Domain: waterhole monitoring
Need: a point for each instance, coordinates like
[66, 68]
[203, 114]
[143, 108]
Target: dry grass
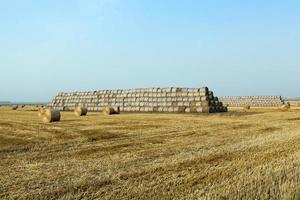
[235, 155]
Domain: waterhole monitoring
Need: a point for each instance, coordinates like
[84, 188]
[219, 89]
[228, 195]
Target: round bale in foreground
[51, 116]
[110, 111]
[80, 111]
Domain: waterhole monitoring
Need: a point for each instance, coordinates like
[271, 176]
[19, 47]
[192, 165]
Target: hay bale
[51, 116]
[80, 111]
[246, 107]
[41, 111]
[285, 107]
[23, 106]
[117, 109]
[14, 107]
[110, 111]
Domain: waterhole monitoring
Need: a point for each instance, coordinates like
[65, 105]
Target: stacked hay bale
[253, 101]
[294, 102]
[189, 100]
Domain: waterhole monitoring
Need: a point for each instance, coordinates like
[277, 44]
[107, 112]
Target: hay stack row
[142, 100]
[253, 101]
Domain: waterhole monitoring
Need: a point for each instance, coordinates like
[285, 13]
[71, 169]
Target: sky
[235, 47]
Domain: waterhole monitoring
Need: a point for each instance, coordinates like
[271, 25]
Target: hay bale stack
[196, 100]
[110, 111]
[80, 111]
[253, 101]
[15, 107]
[51, 116]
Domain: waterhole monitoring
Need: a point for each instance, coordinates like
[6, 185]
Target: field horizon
[236, 155]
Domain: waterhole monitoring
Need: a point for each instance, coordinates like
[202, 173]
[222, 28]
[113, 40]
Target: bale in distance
[41, 111]
[80, 111]
[285, 107]
[117, 110]
[15, 107]
[110, 111]
[23, 106]
[246, 107]
[51, 116]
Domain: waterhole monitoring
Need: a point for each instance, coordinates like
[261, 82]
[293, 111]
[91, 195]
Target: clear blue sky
[235, 47]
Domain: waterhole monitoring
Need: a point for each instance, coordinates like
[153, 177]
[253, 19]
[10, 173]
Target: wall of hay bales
[187, 100]
[253, 101]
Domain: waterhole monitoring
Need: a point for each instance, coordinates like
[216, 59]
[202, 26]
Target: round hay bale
[66, 108]
[80, 111]
[110, 111]
[23, 106]
[285, 107]
[117, 110]
[14, 107]
[51, 116]
[41, 111]
[246, 107]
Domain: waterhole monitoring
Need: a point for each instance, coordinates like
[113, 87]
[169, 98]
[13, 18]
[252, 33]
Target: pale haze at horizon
[233, 47]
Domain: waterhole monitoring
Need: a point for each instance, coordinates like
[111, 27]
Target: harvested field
[241, 154]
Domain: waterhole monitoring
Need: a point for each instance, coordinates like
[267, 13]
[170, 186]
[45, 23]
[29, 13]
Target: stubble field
[234, 155]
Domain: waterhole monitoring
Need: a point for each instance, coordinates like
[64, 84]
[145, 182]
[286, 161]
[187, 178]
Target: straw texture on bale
[41, 111]
[285, 107]
[195, 100]
[247, 107]
[253, 101]
[80, 111]
[110, 111]
[51, 116]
